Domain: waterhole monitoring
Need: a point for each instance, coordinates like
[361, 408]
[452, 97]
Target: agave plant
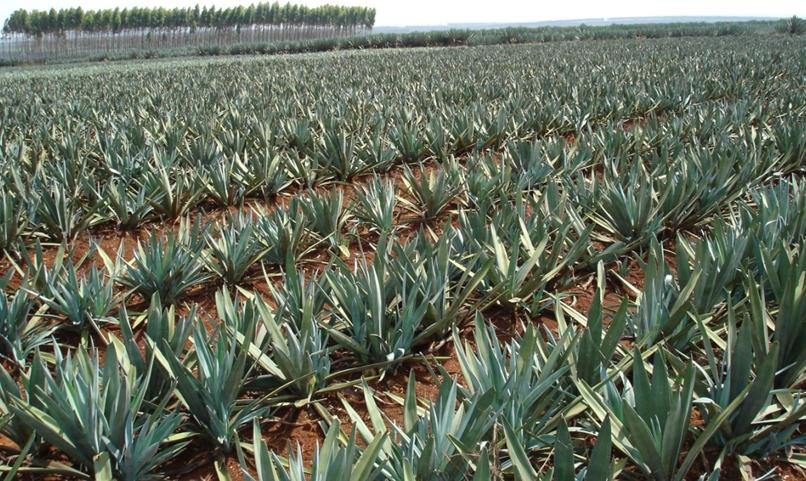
[12, 222]
[168, 265]
[118, 158]
[598, 468]
[264, 175]
[126, 204]
[338, 155]
[332, 461]
[20, 333]
[301, 354]
[163, 327]
[374, 317]
[785, 274]
[234, 249]
[496, 128]
[529, 163]
[597, 345]
[464, 132]
[325, 215]
[410, 146]
[304, 170]
[282, 232]
[663, 305]
[37, 268]
[442, 276]
[627, 205]
[375, 203]
[437, 138]
[20, 389]
[223, 182]
[562, 165]
[487, 183]
[789, 143]
[717, 259]
[521, 378]
[84, 301]
[432, 192]
[734, 377]
[776, 215]
[298, 134]
[294, 356]
[528, 251]
[700, 183]
[650, 418]
[437, 444]
[94, 413]
[61, 214]
[13, 471]
[299, 301]
[209, 380]
[376, 151]
[171, 191]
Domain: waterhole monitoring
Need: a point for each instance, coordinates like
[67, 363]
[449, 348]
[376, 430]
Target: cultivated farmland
[571, 261]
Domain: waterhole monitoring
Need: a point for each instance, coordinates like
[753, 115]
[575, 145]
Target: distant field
[577, 260]
[280, 40]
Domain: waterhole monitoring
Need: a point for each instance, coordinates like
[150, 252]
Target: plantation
[569, 261]
[31, 36]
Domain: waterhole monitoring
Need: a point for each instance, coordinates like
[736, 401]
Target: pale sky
[437, 12]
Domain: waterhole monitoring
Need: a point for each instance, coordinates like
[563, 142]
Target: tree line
[57, 22]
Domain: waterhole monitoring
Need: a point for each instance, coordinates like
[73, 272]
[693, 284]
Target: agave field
[578, 261]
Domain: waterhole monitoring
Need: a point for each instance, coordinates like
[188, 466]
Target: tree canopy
[40, 22]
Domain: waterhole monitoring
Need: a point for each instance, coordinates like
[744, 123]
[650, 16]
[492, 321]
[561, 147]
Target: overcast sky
[434, 12]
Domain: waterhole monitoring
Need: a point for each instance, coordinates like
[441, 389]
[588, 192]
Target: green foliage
[374, 205]
[663, 305]
[785, 276]
[747, 375]
[435, 445]
[281, 232]
[209, 380]
[627, 207]
[16, 391]
[339, 156]
[163, 327]
[717, 262]
[20, 333]
[325, 215]
[38, 22]
[222, 180]
[650, 419]
[234, 249]
[126, 204]
[171, 192]
[598, 468]
[793, 26]
[432, 191]
[597, 345]
[331, 461]
[583, 200]
[520, 380]
[299, 301]
[380, 315]
[168, 265]
[264, 175]
[528, 244]
[84, 301]
[89, 410]
[12, 222]
[60, 212]
[295, 357]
